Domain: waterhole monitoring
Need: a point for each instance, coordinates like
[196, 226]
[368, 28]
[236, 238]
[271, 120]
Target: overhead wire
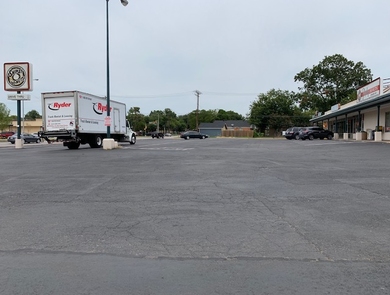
[185, 93]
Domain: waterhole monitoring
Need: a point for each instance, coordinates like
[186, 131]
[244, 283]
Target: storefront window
[387, 122]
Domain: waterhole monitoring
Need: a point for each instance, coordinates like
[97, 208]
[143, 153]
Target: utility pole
[158, 123]
[197, 93]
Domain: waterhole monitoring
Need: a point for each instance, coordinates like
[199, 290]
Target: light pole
[124, 3]
[23, 111]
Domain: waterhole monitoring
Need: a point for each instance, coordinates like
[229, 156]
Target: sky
[161, 51]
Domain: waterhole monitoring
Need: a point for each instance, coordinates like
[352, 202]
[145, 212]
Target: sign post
[107, 121]
[18, 78]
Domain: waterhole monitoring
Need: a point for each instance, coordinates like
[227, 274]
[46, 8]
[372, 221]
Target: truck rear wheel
[73, 145]
[96, 141]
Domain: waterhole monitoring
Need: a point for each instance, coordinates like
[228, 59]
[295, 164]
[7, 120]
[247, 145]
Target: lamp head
[124, 2]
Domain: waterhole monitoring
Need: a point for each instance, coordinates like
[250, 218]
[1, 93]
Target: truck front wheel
[133, 139]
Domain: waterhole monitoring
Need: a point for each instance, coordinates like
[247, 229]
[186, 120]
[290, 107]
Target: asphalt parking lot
[213, 216]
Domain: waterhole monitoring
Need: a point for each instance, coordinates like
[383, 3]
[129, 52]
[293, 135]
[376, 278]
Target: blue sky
[163, 50]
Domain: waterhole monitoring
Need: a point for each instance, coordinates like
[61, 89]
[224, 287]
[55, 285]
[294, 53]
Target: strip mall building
[366, 118]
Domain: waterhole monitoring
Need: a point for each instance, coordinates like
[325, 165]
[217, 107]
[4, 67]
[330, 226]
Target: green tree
[228, 115]
[275, 109]
[300, 118]
[169, 120]
[207, 116]
[32, 115]
[155, 120]
[334, 80]
[204, 116]
[136, 119]
[5, 119]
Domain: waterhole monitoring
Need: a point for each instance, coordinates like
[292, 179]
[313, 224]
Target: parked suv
[6, 134]
[292, 133]
[315, 132]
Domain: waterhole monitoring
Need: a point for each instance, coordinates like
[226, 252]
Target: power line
[186, 93]
[154, 95]
[229, 93]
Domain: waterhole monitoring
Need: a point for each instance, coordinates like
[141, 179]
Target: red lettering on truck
[100, 108]
[55, 106]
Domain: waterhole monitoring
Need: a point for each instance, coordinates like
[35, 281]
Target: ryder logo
[55, 106]
[99, 108]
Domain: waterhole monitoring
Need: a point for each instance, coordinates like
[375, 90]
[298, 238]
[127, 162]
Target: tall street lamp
[124, 3]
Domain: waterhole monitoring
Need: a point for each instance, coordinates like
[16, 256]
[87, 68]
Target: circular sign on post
[107, 121]
[18, 76]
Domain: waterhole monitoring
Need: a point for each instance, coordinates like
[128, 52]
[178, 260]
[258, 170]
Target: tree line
[168, 121]
[333, 80]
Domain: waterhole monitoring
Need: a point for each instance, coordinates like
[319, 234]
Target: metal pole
[108, 71]
[377, 118]
[197, 93]
[359, 122]
[197, 112]
[18, 114]
[23, 116]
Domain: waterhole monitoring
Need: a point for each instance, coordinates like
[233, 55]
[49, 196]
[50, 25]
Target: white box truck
[75, 117]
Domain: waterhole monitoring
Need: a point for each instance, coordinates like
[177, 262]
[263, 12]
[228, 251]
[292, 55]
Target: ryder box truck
[75, 117]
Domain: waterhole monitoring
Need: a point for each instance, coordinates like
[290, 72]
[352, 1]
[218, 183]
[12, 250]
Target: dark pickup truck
[156, 134]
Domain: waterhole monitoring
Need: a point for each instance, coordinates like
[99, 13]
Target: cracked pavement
[214, 216]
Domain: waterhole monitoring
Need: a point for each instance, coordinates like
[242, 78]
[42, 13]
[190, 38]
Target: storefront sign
[369, 91]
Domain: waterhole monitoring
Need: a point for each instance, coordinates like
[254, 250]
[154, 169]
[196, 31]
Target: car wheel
[38, 140]
[187, 137]
[296, 137]
[203, 137]
[330, 137]
[311, 137]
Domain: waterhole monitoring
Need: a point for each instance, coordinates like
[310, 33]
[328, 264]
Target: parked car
[156, 134]
[292, 133]
[193, 134]
[6, 134]
[315, 132]
[25, 137]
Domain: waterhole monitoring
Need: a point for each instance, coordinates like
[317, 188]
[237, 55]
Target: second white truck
[75, 117]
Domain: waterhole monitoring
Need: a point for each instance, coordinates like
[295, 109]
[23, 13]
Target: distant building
[27, 126]
[217, 127]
